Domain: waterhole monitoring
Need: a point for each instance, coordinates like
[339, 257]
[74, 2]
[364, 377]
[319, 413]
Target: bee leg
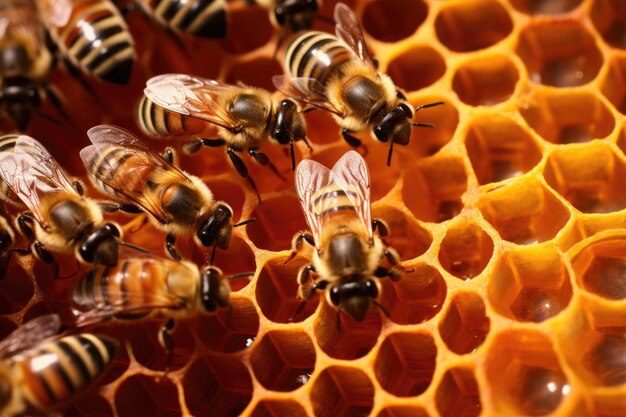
[167, 342]
[381, 225]
[262, 159]
[396, 270]
[353, 141]
[193, 146]
[114, 207]
[297, 243]
[45, 257]
[25, 223]
[306, 288]
[242, 170]
[169, 155]
[170, 239]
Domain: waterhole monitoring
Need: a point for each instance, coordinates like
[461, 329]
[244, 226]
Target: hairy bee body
[93, 35]
[158, 122]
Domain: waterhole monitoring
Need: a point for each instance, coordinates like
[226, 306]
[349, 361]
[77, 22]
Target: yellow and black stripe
[333, 200]
[316, 55]
[156, 121]
[204, 18]
[57, 371]
[97, 41]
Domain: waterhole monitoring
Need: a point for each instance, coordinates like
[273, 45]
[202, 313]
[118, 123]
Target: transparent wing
[29, 335]
[350, 173]
[191, 96]
[349, 31]
[307, 90]
[56, 12]
[311, 177]
[128, 181]
[31, 172]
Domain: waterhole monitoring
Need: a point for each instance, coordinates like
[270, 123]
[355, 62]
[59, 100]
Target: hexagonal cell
[342, 337]
[456, 25]
[417, 297]
[283, 360]
[405, 363]
[427, 142]
[341, 391]
[592, 178]
[457, 394]
[609, 18]
[283, 210]
[257, 72]
[277, 289]
[564, 117]
[405, 234]
[433, 187]
[278, 408]
[524, 212]
[416, 67]
[249, 29]
[16, 289]
[535, 7]
[559, 53]
[229, 331]
[499, 148]
[524, 375]
[486, 80]
[465, 250]
[403, 411]
[392, 21]
[530, 284]
[465, 325]
[614, 84]
[220, 384]
[145, 396]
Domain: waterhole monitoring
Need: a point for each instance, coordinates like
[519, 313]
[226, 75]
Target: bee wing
[351, 174]
[30, 171]
[127, 181]
[311, 177]
[307, 90]
[56, 12]
[30, 334]
[349, 31]
[191, 96]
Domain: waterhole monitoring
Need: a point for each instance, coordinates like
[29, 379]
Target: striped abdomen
[159, 122]
[205, 18]
[97, 40]
[332, 204]
[57, 371]
[316, 55]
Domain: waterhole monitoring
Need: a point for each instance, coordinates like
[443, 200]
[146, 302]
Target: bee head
[101, 246]
[214, 289]
[218, 228]
[296, 15]
[354, 297]
[396, 125]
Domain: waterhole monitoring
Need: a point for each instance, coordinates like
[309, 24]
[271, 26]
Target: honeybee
[157, 122]
[144, 285]
[25, 62]
[349, 258]
[123, 167]
[42, 373]
[59, 219]
[92, 37]
[245, 116]
[338, 74]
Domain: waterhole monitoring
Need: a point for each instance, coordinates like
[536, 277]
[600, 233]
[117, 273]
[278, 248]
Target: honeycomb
[509, 217]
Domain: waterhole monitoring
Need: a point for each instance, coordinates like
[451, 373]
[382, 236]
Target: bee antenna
[293, 155]
[241, 275]
[390, 152]
[245, 222]
[212, 254]
[422, 125]
[425, 106]
[135, 247]
[381, 308]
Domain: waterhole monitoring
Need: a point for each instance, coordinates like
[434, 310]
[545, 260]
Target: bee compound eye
[112, 229]
[372, 289]
[334, 295]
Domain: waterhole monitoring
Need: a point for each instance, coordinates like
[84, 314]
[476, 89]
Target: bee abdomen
[316, 55]
[157, 121]
[205, 18]
[59, 370]
[98, 41]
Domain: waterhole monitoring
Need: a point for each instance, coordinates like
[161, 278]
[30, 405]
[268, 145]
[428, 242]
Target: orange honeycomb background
[509, 215]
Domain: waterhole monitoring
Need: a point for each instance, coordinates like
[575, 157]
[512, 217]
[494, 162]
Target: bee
[123, 167]
[25, 63]
[139, 286]
[157, 122]
[92, 37]
[40, 372]
[245, 116]
[59, 218]
[338, 74]
[349, 258]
